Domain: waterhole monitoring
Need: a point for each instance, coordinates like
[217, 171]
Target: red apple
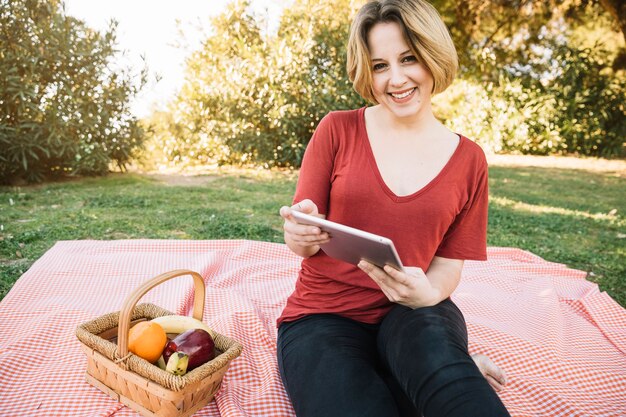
[197, 343]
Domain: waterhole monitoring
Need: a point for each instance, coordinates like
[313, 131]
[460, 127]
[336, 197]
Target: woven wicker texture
[88, 333]
[138, 383]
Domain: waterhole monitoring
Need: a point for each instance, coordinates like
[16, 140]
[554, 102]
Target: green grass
[563, 215]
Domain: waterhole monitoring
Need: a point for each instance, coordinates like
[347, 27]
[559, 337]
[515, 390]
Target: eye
[379, 67]
[409, 59]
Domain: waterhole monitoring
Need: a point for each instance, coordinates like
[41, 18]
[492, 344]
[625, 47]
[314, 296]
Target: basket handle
[135, 296]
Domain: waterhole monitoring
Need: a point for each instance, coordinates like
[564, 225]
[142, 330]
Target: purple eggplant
[197, 343]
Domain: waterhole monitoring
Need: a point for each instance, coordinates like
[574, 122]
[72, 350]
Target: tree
[531, 82]
[617, 8]
[254, 97]
[554, 62]
[63, 106]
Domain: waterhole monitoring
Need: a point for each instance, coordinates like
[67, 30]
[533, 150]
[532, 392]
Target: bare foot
[492, 372]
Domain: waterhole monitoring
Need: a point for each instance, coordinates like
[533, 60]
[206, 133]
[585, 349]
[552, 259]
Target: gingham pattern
[561, 341]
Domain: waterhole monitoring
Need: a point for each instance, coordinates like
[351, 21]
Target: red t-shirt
[447, 217]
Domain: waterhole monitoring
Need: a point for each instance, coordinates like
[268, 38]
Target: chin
[405, 112]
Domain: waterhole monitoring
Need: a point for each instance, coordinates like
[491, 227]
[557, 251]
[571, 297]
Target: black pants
[415, 363]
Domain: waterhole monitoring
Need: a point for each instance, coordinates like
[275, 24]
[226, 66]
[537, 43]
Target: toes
[494, 383]
[492, 372]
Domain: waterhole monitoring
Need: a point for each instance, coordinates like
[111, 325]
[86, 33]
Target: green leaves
[255, 97]
[527, 84]
[537, 82]
[62, 108]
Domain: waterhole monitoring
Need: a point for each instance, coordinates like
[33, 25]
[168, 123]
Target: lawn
[564, 214]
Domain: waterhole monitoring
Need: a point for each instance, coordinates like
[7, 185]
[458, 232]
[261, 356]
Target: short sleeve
[314, 181]
[467, 236]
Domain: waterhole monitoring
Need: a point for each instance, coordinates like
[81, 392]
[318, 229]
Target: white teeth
[403, 95]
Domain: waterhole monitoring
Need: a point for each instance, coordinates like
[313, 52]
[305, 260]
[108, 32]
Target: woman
[365, 341]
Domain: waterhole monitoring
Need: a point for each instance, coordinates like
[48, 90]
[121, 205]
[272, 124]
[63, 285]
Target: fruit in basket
[197, 343]
[178, 363]
[177, 324]
[147, 340]
[161, 363]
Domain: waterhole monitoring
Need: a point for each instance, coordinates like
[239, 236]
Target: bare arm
[444, 275]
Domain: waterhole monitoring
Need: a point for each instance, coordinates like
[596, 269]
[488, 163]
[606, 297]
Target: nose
[397, 76]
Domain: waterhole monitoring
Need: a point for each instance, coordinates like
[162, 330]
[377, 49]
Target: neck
[425, 120]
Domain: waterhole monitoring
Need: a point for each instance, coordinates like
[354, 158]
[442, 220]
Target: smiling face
[401, 84]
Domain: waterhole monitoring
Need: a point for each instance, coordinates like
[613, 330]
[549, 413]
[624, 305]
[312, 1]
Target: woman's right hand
[303, 239]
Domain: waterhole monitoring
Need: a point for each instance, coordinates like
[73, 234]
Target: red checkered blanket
[561, 341]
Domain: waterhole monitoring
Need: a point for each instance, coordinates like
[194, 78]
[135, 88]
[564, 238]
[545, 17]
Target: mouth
[401, 95]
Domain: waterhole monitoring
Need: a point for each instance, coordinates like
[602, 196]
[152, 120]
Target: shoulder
[472, 153]
[339, 126]
[343, 118]
[334, 129]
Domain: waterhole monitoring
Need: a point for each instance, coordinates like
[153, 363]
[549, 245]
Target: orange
[147, 340]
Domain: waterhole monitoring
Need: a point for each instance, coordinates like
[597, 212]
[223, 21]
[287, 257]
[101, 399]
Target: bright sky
[148, 28]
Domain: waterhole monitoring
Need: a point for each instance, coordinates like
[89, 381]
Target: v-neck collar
[372, 159]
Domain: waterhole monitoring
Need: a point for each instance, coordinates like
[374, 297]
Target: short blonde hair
[424, 32]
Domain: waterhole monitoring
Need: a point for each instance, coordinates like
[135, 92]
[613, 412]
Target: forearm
[444, 275]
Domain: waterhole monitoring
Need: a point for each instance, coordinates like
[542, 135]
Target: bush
[63, 109]
[481, 113]
[253, 97]
[578, 109]
[590, 103]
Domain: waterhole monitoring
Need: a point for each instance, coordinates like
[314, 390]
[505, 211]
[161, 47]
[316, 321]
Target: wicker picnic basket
[132, 380]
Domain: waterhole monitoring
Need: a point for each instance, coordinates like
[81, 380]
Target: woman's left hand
[410, 287]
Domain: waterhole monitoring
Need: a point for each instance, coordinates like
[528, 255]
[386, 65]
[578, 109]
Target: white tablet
[351, 245]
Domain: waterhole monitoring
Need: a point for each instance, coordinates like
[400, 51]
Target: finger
[398, 276]
[300, 229]
[380, 277]
[377, 274]
[285, 212]
[388, 294]
[401, 282]
[318, 238]
[305, 233]
[370, 269]
[308, 242]
[305, 206]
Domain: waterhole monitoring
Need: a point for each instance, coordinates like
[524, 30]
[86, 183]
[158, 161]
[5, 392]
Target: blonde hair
[424, 32]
